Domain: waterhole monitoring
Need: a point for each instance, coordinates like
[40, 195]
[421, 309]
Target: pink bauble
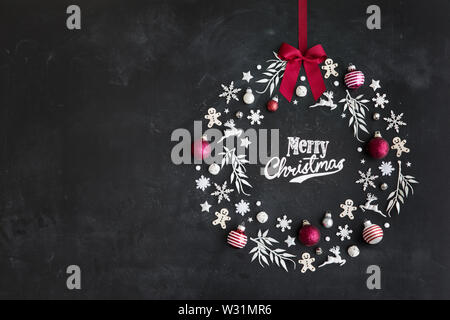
[201, 149]
[378, 148]
[354, 78]
[309, 235]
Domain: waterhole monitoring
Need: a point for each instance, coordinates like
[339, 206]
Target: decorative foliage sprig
[404, 187]
[274, 72]
[357, 109]
[262, 251]
[237, 162]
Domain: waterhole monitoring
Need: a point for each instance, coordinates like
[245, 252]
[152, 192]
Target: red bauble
[237, 239]
[354, 78]
[272, 105]
[308, 234]
[378, 148]
[201, 149]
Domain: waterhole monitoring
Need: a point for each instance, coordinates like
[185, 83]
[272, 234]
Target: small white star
[226, 111]
[245, 142]
[343, 116]
[205, 206]
[247, 76]
[375, 85]
[363, 161]
[409, 164]
[250, 219]
[290, 241]
[295, 102]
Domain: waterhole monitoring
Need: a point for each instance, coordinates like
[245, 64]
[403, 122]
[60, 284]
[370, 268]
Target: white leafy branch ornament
[237, 162]
[404, 186]
[262, 251]
[357, 109]
[274, 72]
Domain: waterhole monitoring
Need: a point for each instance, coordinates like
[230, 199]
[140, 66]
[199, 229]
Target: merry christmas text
[311, 166]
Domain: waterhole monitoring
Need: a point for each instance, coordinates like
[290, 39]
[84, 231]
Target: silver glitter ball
[214, 169]
[353, 251]
[239, 115]
[262, 217]
[319, 251]
[384, 186]
[376, 116]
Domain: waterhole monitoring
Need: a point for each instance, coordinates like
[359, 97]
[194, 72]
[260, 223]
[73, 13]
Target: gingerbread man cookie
[399, 145]
[307, 262]
[348, 209]
[213, 117]
[330, 68]
[222, 218]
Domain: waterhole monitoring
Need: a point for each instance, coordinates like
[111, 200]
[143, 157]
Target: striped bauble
[354, 78]
[372, 233]
[237, 239]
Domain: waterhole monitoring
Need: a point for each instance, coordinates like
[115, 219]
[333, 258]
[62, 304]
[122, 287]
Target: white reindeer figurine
[336, 259]
[369, 206]
[326, 103]
[232, 131]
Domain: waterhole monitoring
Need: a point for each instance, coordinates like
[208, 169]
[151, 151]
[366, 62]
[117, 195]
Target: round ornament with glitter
[309, 235]
[354, 79]
[372, 233]
[237, 238]
[378, 148]
[262, 217]
[214, 169]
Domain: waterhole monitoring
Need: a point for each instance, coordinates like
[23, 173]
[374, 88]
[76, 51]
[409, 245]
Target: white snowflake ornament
[242, 207]
[222, 192]
[380, 101]
[367, 179]
[255, 117]
[344, 232]
[395, 122]
[386, 168]
[202, 183]
[230, 92]
[284, 223]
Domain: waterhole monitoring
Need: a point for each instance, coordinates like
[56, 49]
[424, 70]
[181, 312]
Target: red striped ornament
[354, 78]
[372, 233]
[237, 239]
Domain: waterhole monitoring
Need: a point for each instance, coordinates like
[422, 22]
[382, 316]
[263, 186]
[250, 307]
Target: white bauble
[249, 98]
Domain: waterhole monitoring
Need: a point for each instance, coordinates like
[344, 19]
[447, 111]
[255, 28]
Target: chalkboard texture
[85, 126]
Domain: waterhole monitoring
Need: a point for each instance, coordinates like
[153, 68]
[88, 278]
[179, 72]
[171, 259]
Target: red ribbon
[310, 58]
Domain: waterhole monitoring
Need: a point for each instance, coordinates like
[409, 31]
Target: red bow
[311, 58]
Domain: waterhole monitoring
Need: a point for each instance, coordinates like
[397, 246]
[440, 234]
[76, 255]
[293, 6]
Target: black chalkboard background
[85, 125]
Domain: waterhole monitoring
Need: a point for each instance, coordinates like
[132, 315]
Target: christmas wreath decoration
[283, 71]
